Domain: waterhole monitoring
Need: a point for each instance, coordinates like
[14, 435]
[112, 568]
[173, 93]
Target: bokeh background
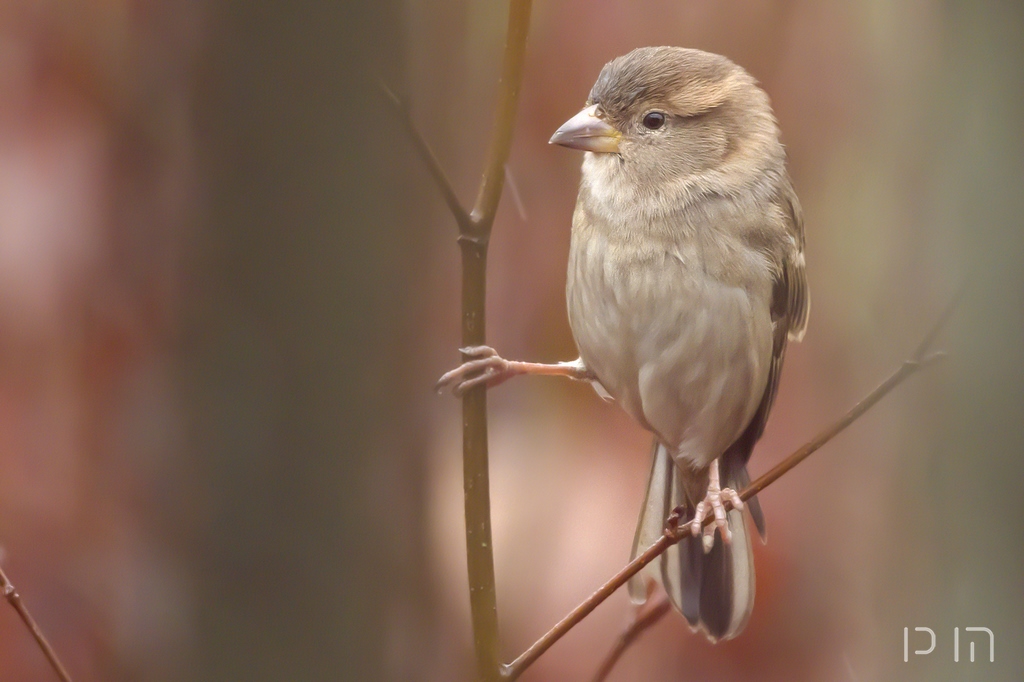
[227, 285]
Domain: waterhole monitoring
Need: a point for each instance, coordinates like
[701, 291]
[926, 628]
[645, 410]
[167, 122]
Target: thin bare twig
[517, 198]
[676, 531]
[12, 596]
[642, 623]
[643, 619]
[487, 199]
[474, 234]
[429, 159]
[483, 600]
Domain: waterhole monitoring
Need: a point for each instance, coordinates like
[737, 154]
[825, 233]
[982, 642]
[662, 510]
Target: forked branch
[474, 234]
[444, 185]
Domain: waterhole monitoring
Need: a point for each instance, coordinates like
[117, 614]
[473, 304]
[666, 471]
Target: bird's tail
[713, 590]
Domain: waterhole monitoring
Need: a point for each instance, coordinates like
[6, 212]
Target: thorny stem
[676, 531]
[12, 596]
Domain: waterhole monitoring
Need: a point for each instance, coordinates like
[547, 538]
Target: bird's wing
[790, 308]
[798, 296]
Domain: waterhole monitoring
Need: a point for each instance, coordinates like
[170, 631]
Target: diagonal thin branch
[940, 324]
[465, 222]
[676, 531]
[12, 596]
[429, 159]
[907, 369]
[643, 620]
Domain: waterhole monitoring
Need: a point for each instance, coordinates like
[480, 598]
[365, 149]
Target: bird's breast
[684, 353]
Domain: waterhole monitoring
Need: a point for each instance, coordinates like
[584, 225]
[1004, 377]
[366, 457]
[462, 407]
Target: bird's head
[662, 114]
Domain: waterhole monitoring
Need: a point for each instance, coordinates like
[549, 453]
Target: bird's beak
[589, 132]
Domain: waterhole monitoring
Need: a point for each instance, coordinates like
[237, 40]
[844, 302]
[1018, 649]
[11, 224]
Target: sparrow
[686, 281]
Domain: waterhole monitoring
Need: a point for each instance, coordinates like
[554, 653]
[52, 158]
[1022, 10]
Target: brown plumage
[686, 281]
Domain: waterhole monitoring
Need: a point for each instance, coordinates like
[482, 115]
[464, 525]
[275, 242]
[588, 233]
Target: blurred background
[227, 285]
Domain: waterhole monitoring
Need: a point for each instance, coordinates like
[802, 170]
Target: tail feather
[682, 570]
[651, 524]
[740, 479]
[714, 590]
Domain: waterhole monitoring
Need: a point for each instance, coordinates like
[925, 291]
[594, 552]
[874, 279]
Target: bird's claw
[483, 366]
[714, 503]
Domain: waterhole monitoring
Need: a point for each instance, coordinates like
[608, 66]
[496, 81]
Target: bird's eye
[654, 120]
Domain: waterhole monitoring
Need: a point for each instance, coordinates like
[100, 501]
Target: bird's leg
[713, 503]
[485, 366]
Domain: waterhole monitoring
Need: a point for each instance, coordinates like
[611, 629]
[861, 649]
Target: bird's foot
[714, 504]
[484, 366]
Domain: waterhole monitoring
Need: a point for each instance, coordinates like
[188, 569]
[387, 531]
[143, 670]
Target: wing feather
[791, 305]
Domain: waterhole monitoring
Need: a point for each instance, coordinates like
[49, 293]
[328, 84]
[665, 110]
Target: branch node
[473, 239]
[643, 619]
[14, 599]
[672, 526]
[937, 356]
[444, 185]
